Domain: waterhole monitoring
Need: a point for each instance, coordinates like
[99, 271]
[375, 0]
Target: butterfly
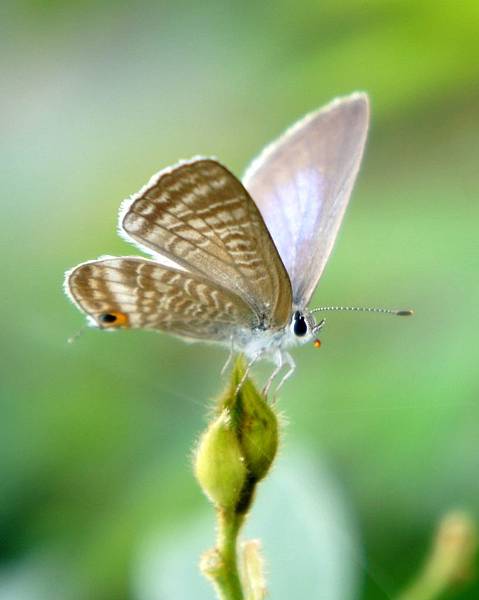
[234, 262]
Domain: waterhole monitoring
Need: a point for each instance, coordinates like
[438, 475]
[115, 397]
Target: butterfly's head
[303, 326]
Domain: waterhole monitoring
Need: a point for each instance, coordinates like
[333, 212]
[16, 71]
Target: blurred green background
[97, 499]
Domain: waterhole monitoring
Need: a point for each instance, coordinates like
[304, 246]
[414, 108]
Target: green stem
[226, 576]
[221, 564]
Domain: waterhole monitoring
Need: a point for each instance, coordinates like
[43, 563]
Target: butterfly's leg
[255, 358]
[292, 366]
[277, 369]
[317, 328]
[230, 357]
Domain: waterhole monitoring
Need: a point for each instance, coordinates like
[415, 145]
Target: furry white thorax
[268, 344]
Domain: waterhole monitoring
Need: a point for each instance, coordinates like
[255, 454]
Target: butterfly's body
[233, 263]
[267, 342]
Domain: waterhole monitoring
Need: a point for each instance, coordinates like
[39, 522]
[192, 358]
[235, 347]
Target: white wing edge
[263, 156]
[66, 287]
[127, 203]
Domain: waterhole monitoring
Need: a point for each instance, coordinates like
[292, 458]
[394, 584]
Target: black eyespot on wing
[107, 318]
[113, 319]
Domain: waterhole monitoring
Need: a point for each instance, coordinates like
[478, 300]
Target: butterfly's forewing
[140, 293]
[302, 183]
[200, 216]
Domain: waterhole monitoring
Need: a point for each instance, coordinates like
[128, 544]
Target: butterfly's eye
[300, 327]
[113, 319]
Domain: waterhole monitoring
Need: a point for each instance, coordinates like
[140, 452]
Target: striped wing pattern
[152, 296]
[199, 215]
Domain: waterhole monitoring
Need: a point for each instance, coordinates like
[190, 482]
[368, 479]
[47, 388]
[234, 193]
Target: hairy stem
[227, 575]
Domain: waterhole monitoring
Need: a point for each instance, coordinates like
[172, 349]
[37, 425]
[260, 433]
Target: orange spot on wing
[113, 319]
[317, 344]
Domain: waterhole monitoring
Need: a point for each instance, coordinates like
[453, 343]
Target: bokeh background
[97, 498]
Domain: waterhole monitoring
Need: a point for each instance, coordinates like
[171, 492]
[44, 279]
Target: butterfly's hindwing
[151, 296]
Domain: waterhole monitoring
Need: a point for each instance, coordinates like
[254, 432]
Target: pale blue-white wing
[302, 182]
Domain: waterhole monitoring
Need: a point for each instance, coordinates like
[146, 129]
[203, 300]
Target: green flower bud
[239, 446]
[219, 465]
[257, 430]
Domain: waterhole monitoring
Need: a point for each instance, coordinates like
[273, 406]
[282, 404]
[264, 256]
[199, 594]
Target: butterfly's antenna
[76, 335]
[387, 311]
